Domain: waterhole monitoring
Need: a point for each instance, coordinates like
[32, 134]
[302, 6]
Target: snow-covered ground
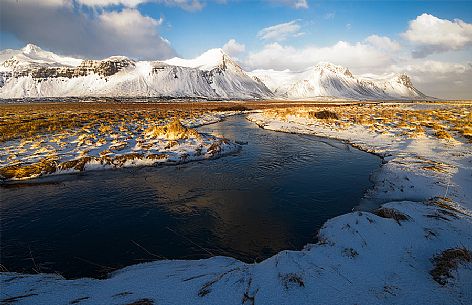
[402, 254]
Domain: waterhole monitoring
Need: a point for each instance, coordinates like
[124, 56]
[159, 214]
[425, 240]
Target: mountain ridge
[330, 80]
[33, 72]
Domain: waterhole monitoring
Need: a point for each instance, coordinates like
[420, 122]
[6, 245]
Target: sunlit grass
[40, 138]
[446, 121]
[101, 134]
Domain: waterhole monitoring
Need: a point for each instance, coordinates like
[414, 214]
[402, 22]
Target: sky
[431, 41]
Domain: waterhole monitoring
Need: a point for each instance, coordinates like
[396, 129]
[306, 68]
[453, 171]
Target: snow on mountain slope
[33, 72]
[328, 80]
[209, 60]
[32, 55]
[37, 73]
[7, 54]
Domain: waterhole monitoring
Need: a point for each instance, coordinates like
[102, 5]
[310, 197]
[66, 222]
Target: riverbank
[106, 141]
[414, 250]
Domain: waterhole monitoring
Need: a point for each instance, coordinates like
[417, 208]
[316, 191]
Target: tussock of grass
[77, 164]
[118, 146]
[157, 156]
[393, 214]
[443, 134]
[436, 168]
[122, 159]
[448, 261]
[324, 115]
[291, 279]
[350, 252]
[417, 132]
[215, 147]
[105, 152]
[172, 131]
[44, 166]
[105, 128]
[171, 144]
[443, 203]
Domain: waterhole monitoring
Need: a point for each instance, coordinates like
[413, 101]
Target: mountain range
[33, 72]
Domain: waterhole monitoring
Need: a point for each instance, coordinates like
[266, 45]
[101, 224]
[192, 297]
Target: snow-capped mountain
[34, 55]
[32, 72]
[328, 80]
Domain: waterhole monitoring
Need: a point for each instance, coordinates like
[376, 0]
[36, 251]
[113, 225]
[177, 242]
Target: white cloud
[433, 35]
[190, 5]
[131, 28]
[361, 56]
[233, 48]
[433, 67]
[438, 78]
[104, 3]
[297, 4]
[300, 4]
[281, 31]
[68, 30]
[49, 3]
[383, 42]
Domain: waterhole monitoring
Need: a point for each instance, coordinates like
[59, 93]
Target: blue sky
[429, 40]
[191, 32]
[324, 22]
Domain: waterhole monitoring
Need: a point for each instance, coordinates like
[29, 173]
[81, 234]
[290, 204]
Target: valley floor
[414, 249]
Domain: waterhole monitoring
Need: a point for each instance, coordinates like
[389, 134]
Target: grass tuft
[324, 115]
[393, 214]
[172, 131]
[44, 166]
[448, 261]
[291, 279]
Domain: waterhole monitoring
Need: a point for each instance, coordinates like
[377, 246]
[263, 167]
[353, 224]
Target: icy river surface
[272, 195]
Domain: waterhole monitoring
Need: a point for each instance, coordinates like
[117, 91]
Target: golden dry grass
[37, 126]
[172, 131]
[44, 166]
[21, 121]
[444, 121]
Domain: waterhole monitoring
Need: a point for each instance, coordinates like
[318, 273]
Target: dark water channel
[272, 195]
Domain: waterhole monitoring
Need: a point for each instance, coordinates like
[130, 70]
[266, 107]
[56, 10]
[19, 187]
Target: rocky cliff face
[104, 68]
[36, 73]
